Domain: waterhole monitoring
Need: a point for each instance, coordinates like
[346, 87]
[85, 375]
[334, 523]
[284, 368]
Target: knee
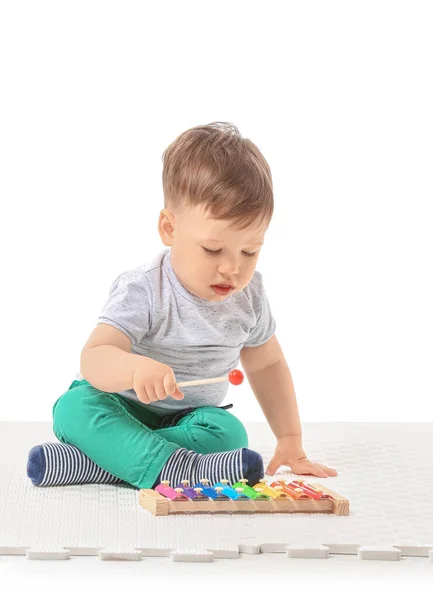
[236, 433]
[216, 430]
[75, 408]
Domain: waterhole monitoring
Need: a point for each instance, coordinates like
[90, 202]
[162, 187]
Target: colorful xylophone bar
[278, 496]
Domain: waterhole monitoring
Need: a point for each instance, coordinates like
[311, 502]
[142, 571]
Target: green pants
[127, 440]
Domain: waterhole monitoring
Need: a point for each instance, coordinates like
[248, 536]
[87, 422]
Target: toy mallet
[235, 377]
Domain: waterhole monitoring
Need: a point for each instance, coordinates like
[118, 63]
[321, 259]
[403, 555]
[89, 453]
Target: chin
[219, 298]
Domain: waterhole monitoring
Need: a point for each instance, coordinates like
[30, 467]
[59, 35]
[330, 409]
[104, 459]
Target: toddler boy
[192, 312]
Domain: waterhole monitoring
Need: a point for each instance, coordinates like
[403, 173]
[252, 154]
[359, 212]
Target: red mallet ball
[236, 377]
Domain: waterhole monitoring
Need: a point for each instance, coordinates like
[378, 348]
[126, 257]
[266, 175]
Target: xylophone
[278, 496]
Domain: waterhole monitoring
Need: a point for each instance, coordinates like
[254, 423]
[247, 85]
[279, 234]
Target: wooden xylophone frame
[160, 506]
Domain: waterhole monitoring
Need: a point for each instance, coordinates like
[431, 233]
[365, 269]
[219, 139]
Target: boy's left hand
[289, 452]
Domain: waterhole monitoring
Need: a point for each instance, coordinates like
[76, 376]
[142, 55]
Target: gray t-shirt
[197, 338]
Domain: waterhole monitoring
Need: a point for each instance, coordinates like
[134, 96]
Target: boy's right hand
[154, 381]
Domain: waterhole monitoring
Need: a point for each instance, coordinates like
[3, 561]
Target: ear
[166, 226]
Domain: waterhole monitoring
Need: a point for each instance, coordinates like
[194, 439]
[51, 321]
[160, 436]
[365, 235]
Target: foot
[64, 464]
[233, 465]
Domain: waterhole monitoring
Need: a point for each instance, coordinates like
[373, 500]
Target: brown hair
[213, 165]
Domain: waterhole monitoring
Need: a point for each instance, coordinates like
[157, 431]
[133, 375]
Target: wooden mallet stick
[235, 377]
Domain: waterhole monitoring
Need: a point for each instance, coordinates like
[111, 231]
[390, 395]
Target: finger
[178, 395]
[150, 391]
[169, 383]
[273, 465]
[323, 469]
[171, 388]
[328, 470]
[307, 468]
[142, 396]
[160, 391]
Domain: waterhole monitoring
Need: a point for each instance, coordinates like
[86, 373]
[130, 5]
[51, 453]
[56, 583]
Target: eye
[214, 252]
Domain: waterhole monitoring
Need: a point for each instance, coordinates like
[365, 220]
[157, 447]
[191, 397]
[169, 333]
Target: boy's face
[208, 253]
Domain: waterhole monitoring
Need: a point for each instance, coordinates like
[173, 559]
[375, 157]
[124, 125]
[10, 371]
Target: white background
[337, 95]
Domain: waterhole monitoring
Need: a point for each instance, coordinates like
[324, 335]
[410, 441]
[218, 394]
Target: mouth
[222, 289]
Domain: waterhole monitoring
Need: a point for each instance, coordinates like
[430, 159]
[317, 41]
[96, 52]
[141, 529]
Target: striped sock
[54, 463]
[233, 465]
[64, 464]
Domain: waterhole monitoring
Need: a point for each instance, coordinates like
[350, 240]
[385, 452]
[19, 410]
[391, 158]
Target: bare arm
[107, 362]
[271, 382]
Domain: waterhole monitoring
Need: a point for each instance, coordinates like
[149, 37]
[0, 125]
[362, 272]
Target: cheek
[249, 269]
[202, 266]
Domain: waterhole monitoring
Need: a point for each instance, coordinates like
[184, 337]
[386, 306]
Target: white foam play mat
[384, 470]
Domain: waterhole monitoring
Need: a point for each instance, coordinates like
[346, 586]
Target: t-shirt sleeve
[128, 306]
[265, 326]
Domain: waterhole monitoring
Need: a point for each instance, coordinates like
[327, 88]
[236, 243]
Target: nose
[229, 269]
